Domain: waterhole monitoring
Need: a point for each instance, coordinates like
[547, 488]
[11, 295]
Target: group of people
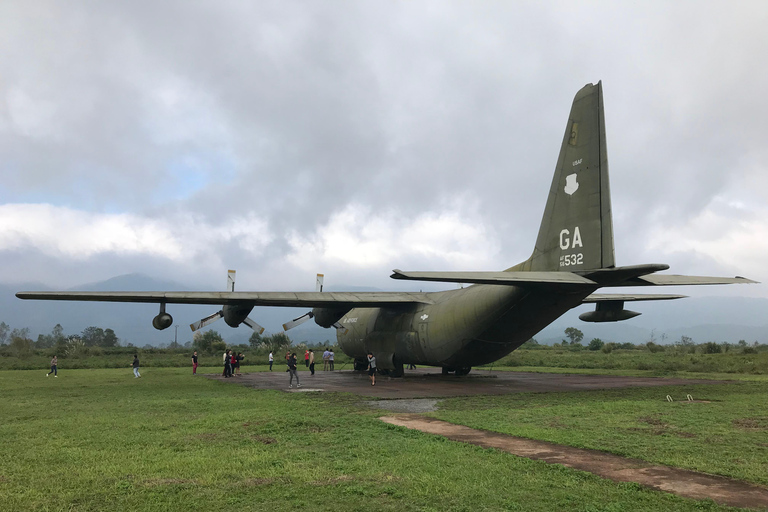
[231, 364]
[309, 359]
[328, 359]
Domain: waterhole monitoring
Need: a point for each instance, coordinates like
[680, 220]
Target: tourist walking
[54, 367]
[306, 358]
[293, 371]
[271, 360]
[135, 365]
[227, 364]
[372, 368]
[311, 361]
[330, 359]
[194, 363]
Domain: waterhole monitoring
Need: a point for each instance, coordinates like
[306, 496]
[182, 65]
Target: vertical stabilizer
[576, 232]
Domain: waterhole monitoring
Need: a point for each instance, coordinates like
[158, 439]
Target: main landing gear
[361, 365]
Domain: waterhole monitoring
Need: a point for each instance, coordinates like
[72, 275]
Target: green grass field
[727, 436]
[102, 440]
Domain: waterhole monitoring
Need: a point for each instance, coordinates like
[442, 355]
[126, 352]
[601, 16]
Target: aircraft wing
[499, 278]
[677, 280]
[286, 299]
[628, 297]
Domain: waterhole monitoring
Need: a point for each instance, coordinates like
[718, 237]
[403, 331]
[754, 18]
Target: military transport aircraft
[461, 328]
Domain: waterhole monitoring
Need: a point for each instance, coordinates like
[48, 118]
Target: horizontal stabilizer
[499, 278]
[628, 297]
[672, 280]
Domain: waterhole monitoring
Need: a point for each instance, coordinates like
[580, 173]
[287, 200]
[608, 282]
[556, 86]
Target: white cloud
[358, 237]
[80, 235]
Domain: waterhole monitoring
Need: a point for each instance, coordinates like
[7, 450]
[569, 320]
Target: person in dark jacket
[228, 364]
[194, 363]
[293, 371]
[236, 363]
[136, 366]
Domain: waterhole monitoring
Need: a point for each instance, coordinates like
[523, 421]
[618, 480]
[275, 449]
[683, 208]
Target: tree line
[684, 345]
[19, 342]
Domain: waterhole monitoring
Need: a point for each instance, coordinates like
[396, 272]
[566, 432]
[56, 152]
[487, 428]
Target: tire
[397, 372]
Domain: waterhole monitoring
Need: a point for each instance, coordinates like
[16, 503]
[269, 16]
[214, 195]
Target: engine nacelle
[234, 315]
[326, 317]
[162, 321]
[608, 311]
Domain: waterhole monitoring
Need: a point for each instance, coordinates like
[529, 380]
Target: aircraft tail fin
[576, 231]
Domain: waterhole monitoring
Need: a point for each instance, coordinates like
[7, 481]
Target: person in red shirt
[306, 358]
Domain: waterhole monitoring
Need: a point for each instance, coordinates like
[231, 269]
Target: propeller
[306, 316]
[234, 315]
[207, 320]
[311, 314]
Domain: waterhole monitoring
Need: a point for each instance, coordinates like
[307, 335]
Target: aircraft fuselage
[462, 328]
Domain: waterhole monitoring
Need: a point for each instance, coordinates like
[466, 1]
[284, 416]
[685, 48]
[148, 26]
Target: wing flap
[285, 299]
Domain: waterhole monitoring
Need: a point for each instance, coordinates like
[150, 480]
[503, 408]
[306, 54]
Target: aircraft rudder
[576, 231]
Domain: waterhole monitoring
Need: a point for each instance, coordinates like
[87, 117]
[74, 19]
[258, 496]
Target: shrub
[654, 348]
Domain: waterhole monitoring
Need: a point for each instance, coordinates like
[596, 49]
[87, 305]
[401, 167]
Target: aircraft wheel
[398, 371]
[446, 370]
[463, 371]
[360, 365]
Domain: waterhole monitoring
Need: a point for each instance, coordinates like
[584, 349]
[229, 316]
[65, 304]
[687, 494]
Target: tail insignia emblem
[571, 185]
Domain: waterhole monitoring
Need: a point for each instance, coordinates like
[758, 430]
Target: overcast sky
[285, 138]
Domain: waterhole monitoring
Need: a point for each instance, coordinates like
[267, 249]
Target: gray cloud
[291, 112]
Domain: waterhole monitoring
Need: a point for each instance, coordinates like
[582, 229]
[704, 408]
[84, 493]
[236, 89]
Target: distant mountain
[703, 319]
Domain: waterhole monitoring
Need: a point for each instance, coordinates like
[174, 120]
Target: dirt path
[682, 482]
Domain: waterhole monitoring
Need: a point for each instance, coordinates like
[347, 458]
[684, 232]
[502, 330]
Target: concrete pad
[430, 383]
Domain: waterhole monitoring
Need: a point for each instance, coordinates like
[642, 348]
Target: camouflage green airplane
[461, 328]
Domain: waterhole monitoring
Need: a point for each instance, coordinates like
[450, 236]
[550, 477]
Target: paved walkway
[689, 484]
